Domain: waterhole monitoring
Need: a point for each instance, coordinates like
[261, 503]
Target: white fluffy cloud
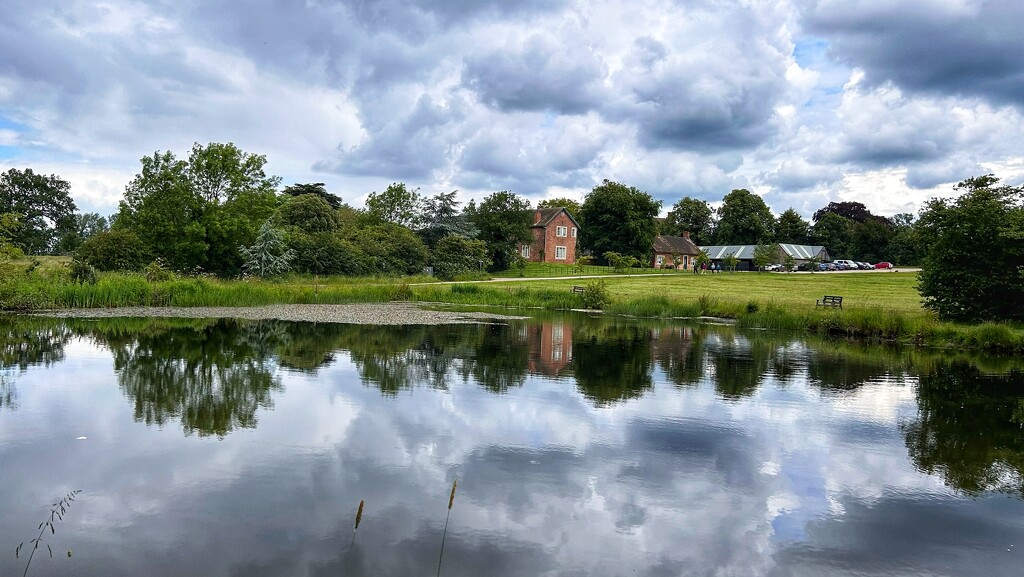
[801, 100]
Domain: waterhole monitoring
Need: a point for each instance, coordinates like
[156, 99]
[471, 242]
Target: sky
[805, 102]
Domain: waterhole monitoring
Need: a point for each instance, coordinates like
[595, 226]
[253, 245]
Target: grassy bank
[876, 306]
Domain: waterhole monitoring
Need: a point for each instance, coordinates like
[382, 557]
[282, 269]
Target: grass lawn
[885, 290]
[548, 269]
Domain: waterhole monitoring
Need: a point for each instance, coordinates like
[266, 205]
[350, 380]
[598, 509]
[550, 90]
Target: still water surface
[581, 447]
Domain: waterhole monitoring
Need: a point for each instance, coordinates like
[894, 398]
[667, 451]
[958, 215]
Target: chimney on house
[536, 216]
[686, 234]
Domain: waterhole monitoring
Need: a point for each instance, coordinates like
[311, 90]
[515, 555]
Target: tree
[833, 232]
[316, 188]
[268, 255]
[620, 219]
[905, 247]
[43, 205]
[792, 228]
[744, 218]
[117, 249]
[854, 211]
[691, 215]
[455, 255]
[391, 249]
[764, 255]
[974, 265]
[870, 240]
[573, 206]
[504, 221]
[8, 225]
[731, 261]
[396, 204]
[620, 262]
[309, 213]
[441, 217]
[196, 213]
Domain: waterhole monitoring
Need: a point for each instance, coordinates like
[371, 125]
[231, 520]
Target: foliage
[573, 206]
[581, 263]
[620, 262]
[691, 215]
[853, 211]
[114, 250]
[455, 255]
[195, 213]
[731, 261]
[871, 239]
[157, 271]
[315, 188]
[83, 272]
[619, 219]
[974, 266]
[833, 232]
[325, 253]
[504, 220]
[269, 255]
[396, 204]
[789, 263]
[792, 228]
[308, 213]
[391, 249]
[85, 226]
[764, 255]
[702, 259]
[44, 207]
[744, 218]
[595, 295]
[441, 217]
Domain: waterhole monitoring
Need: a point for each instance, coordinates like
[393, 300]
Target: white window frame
[561, 231]
[525, 251]
[574, 232]
[560, 249]
[660, 260]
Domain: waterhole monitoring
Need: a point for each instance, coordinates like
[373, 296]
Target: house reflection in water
[550, 346]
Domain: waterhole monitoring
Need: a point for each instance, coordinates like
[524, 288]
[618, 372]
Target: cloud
[969, 48]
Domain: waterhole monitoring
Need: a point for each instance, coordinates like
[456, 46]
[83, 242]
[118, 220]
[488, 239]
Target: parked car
[773, 267]
[883, 265]
[865, 265]
[844, 264]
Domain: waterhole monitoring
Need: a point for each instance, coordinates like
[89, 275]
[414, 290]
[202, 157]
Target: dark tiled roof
[546, 215]
[674, 245]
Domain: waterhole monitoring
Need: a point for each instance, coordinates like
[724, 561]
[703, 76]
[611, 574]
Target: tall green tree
[744, 218]
[619, 219]
[691, 215]
[905, 248]
[833, 232]
[196, 213]
[504, 220]
[441, 217]
[871, 239]
[792, 228]
[397, 205]
[44, 207]
[317, 188]
[974, 266]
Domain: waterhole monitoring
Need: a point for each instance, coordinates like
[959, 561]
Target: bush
[114, 250]
[325, 253]
[83, 273]
[157, 271]
[595, 295]
[457, 255]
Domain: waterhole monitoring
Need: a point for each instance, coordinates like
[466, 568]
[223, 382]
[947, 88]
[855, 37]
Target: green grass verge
[876, 306]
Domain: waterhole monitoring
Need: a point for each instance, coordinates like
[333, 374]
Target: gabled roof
[746, 251]
[802, 251]
[674, 245]
[742, 251]
[544, 216]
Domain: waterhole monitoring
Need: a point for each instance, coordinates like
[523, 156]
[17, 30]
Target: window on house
[660, 261]
[561, 231]
[559, 253]
[574, 232]
[526, 251]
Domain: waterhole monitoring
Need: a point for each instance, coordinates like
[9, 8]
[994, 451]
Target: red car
[883, 265]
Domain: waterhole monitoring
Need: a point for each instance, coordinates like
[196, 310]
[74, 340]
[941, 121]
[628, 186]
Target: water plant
[451, 501]
[57, 512]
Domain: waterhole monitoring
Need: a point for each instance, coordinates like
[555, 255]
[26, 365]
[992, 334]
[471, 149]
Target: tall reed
[57, 511]
[451, 500]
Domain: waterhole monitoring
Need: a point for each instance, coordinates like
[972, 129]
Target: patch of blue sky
[810, 52]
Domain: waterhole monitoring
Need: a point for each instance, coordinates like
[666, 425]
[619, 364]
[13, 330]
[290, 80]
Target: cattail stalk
[451, 501]
[359, 517]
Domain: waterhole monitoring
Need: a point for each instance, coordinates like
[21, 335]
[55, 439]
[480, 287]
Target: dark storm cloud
[542, 74]
[971, 50]
[930, 175]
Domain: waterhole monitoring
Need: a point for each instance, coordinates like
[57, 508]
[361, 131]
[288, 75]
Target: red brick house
[668, 248]
[554, 237]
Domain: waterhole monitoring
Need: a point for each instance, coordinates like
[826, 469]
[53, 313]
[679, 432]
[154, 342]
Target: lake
[581, 446]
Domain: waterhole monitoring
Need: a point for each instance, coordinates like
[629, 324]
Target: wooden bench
[577, 289]
[830, 301]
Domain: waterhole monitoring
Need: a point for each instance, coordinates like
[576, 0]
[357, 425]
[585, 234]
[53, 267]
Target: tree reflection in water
[25, 343]
[970, 428]
[612, 362]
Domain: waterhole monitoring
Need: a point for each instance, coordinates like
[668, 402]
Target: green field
[860, 290]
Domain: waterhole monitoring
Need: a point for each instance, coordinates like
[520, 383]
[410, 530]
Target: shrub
[457, 255]
[595, 295]
[752, 307]
[82, 272]
[157, 271]
[114, 250]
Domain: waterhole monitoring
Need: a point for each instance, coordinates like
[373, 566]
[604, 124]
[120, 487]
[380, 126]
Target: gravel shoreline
[394, 313]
